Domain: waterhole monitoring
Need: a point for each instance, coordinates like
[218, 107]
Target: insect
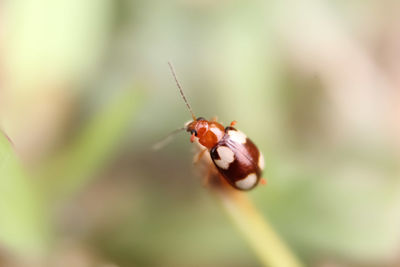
[234, 155]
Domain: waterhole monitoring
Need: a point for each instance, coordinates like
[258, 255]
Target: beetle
[234, 155]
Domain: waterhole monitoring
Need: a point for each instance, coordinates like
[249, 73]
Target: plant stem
[266, 243]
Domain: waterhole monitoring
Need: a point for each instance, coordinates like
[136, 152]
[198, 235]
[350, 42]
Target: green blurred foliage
[23, 221]
[86, 91]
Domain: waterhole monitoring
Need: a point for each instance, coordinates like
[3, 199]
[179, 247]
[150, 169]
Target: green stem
[266, 243]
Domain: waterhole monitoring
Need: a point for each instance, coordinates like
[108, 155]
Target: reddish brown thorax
[208, 132]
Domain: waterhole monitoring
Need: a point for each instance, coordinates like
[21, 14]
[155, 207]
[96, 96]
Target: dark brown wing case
[245, 162]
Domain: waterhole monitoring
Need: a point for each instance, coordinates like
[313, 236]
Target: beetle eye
[201, 119]
[193, 131]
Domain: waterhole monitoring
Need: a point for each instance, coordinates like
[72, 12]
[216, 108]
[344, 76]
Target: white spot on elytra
[226, 157]
[261, 161]
[247, 182]
[237, 136]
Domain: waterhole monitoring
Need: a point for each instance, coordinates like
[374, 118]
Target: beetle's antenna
[180, 90]
[160, 144]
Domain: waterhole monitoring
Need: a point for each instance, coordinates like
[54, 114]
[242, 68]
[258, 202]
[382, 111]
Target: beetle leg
[213, 178]
[198, 156]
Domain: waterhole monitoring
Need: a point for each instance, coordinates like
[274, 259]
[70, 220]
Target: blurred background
[85, 91]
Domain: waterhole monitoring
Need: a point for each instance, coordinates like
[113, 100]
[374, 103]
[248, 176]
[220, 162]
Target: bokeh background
[85, 92]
